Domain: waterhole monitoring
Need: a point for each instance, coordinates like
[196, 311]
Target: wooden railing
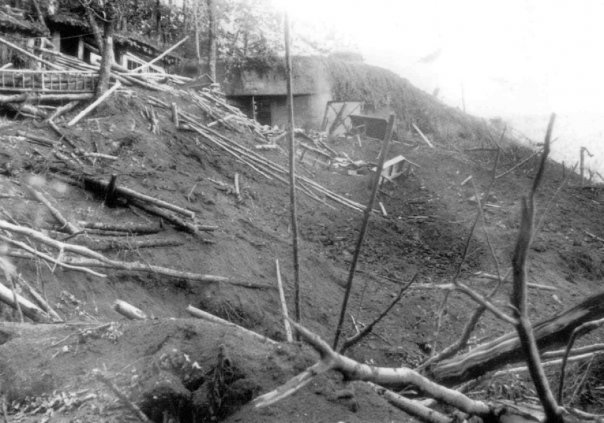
[43, 81]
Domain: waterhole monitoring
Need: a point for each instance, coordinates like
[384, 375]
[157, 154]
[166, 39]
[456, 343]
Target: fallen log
[38, 299]
[39, 98]
[28, 308]
[128, 243]
[353, 370]
[38, 139]
[189, 227]
[549, 333]
[131, 228]
[65, 224]
[64, 109]
[33, 253]
[99, 260]
[99, 186]
[27, 110]
[64, 138]
[200, 314]
[129, 311]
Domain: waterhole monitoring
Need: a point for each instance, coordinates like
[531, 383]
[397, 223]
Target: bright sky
[517, 56]
[513, 58]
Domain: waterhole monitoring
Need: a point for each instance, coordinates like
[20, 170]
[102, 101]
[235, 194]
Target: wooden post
[175, 115]
[110, 192]
[292, 169]
[288, 328]
[363, 231]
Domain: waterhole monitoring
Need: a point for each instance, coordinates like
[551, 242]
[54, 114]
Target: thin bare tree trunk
[96, 31]
[292, 170]
[106, 59]
[519, 294]
[363, 231]
[196, 24]
[212, 38]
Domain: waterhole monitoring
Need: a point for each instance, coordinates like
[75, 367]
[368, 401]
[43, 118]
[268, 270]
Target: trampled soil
[185, 369]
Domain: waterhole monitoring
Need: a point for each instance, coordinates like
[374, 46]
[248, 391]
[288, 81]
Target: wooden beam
[161, 56]
[94, 104]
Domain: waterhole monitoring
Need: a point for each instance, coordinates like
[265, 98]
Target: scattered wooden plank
[421, 134]
[384, 212]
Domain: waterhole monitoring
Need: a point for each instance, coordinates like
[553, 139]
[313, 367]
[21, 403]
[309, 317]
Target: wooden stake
[292, 170]
[110, 194]
[384, 212]
[363, 231]
[94, 104]
[288, 328]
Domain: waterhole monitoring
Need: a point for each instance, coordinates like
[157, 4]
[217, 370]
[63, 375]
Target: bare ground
[47, 370]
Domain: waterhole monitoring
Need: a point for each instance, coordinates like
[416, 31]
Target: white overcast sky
[513, 56]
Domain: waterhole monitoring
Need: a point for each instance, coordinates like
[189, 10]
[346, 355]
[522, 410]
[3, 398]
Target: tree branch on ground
[353, 370]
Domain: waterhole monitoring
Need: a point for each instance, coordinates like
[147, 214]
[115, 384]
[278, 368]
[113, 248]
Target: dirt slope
[429, 215]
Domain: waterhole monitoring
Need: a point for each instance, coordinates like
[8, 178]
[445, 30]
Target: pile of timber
[216, 108]
[260, 164]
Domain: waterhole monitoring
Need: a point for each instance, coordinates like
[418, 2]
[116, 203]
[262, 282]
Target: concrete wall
[308, 111]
